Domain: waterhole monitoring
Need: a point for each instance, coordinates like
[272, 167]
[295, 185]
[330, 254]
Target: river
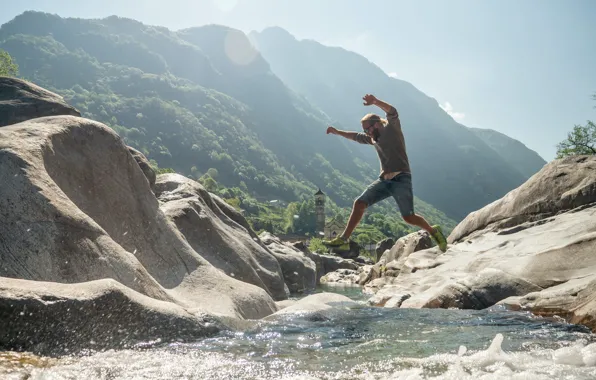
[362, 343]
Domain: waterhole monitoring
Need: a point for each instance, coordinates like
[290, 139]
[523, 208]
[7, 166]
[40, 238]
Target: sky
[526, 68]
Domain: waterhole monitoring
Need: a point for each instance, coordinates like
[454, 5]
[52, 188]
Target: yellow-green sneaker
[439, 238]
[338, 243]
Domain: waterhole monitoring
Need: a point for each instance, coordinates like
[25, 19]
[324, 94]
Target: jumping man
[395, 179]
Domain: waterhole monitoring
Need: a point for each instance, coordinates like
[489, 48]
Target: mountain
[453, 168]
[527, 161]
[195, 100]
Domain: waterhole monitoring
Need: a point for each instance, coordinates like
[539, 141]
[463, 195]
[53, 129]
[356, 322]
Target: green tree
[307, 218]
[213, 173]
[234, 202]
[316, 245]
[165, 170]
[581, 140]
[290, 216]
[363, 239]
[209, 183]
[7, 66]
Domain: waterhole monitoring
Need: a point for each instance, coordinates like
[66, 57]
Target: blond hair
[375, 118]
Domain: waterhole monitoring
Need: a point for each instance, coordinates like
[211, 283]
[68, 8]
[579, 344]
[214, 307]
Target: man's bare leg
[419, 221]
[436, 233]
[357, 211]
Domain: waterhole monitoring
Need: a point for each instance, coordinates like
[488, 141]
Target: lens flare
[238, 48]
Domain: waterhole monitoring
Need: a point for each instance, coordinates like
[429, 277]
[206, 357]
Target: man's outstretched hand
[369, 99]
[331, 130]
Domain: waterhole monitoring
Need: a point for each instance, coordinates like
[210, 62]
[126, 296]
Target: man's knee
[360, 205]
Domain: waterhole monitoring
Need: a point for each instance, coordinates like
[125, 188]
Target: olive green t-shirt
[391, 146]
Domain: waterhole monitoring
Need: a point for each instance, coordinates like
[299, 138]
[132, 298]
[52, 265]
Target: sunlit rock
[536, 245]
[56, 319]
[205, 222]
[299, 271]
[76, 207]
[21, 100]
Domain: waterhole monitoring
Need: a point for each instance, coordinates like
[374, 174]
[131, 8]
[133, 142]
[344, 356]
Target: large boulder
[145, 166]
[216, 237]
[482, 271]
[76, 207]
[560, 186]
[49, 318]
[391, 262]
[406, 245]
[383, 246]
[299, 271]
[21, 100]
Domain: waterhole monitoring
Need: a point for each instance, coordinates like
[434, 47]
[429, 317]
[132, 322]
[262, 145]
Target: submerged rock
[316, 307]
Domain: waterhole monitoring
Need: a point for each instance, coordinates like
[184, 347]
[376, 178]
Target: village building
[324, 229]
[330, 229]
[334, 228]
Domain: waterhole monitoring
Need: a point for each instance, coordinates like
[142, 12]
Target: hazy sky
[526, 68]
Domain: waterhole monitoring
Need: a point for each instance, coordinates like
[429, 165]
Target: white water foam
[577, 361]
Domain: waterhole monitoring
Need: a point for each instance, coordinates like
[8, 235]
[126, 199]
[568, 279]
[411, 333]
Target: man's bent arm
[371, 99]
[390, 111]
[384, 106]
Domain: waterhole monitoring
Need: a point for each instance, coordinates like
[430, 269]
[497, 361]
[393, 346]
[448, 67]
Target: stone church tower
[320, 211]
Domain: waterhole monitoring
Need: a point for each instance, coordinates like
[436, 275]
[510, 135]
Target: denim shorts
[399, 187]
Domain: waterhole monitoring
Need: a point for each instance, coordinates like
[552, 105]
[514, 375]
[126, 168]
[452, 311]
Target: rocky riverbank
[534, 250]
[98, 251]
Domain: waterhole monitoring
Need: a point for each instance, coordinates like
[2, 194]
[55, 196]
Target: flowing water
[362, 343]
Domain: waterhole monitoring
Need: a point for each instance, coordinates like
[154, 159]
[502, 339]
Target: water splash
[358, 343]
[576, 361]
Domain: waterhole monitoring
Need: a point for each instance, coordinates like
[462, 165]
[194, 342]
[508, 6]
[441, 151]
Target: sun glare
[238, 48]
[225, 5]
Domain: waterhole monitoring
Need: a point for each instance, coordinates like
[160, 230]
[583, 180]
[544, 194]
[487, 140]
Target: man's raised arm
[390, 111]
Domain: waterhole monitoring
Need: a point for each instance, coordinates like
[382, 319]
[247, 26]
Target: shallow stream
[362, 343]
